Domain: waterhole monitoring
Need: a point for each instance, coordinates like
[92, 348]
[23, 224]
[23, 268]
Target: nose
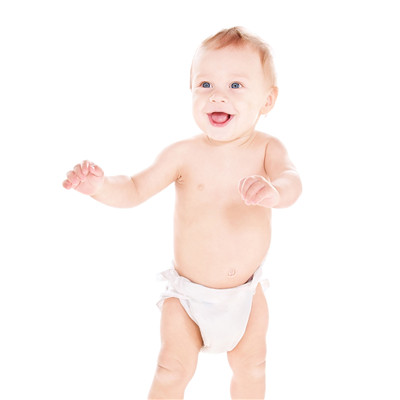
[218, 97]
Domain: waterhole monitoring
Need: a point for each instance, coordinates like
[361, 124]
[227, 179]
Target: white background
[108, 81]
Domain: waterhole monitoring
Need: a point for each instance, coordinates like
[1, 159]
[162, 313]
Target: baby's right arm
[125, 191]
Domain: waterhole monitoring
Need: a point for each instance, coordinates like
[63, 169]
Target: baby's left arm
[282, 188]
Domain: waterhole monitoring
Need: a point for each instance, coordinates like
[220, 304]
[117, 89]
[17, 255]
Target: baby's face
[230, 92]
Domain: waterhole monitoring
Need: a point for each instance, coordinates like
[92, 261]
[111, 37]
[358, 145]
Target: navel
[200, 187]
[232, 272]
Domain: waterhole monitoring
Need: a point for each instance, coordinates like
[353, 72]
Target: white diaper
[221, 314]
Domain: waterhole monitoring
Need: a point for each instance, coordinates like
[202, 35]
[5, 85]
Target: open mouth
[219, 119]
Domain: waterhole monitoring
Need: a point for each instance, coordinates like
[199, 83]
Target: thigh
[252, 346]
[179, 333]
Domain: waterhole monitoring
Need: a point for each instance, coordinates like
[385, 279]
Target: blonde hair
[238, 37]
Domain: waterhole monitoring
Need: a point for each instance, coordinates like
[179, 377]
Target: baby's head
[238, 38]
[233, 82]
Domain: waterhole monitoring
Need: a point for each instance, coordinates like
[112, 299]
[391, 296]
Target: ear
[270, 101]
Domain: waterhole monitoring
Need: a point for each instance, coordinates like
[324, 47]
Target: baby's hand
[256, 190]
[86, 178]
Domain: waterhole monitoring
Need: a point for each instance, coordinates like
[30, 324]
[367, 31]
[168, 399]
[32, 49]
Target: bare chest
[215, 177]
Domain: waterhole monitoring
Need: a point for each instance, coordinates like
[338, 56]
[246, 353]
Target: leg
[180, 345]
[247, 359]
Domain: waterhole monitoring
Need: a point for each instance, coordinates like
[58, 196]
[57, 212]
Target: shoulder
[183, 145]
[275, 152]
[269, 143]
[174, 150]
[177, 154]
[182, 149]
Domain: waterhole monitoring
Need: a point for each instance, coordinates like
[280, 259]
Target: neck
[242, 141]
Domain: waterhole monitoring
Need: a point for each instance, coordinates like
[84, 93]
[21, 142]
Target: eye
[235, 85]
[205, 85]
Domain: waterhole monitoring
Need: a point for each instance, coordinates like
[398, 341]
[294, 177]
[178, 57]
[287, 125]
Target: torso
[219, 241]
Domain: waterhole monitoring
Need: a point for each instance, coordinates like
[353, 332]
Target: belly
[221, 248]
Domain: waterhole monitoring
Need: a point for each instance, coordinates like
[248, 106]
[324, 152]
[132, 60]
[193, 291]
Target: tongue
[219, 117]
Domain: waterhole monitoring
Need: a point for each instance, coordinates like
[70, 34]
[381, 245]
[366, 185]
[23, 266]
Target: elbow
[134, 196]
[290, 193]
[297, 190]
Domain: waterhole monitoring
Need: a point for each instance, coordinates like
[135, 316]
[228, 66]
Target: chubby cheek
[250, 113]
[198, 115]
[198, 104]
[195, 102]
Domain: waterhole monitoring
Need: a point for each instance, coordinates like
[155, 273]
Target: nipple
[232, 272]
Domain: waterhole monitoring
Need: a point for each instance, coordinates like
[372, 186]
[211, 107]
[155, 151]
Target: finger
[261, 195]
[96, 170]
[254, 188]
[253, 191]
[73, 178]
[248, 187]
[245, 184]
[67, 184]
[78, 172]
[85, 167]
[241, 182]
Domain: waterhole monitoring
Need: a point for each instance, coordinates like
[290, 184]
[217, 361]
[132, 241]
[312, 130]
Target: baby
[227, 179]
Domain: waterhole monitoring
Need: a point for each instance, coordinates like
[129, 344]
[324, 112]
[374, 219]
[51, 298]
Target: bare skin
[227, 180]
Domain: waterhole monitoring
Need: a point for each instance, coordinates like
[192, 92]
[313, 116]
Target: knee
[173, 371]
[250, 371]
[249, 366]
